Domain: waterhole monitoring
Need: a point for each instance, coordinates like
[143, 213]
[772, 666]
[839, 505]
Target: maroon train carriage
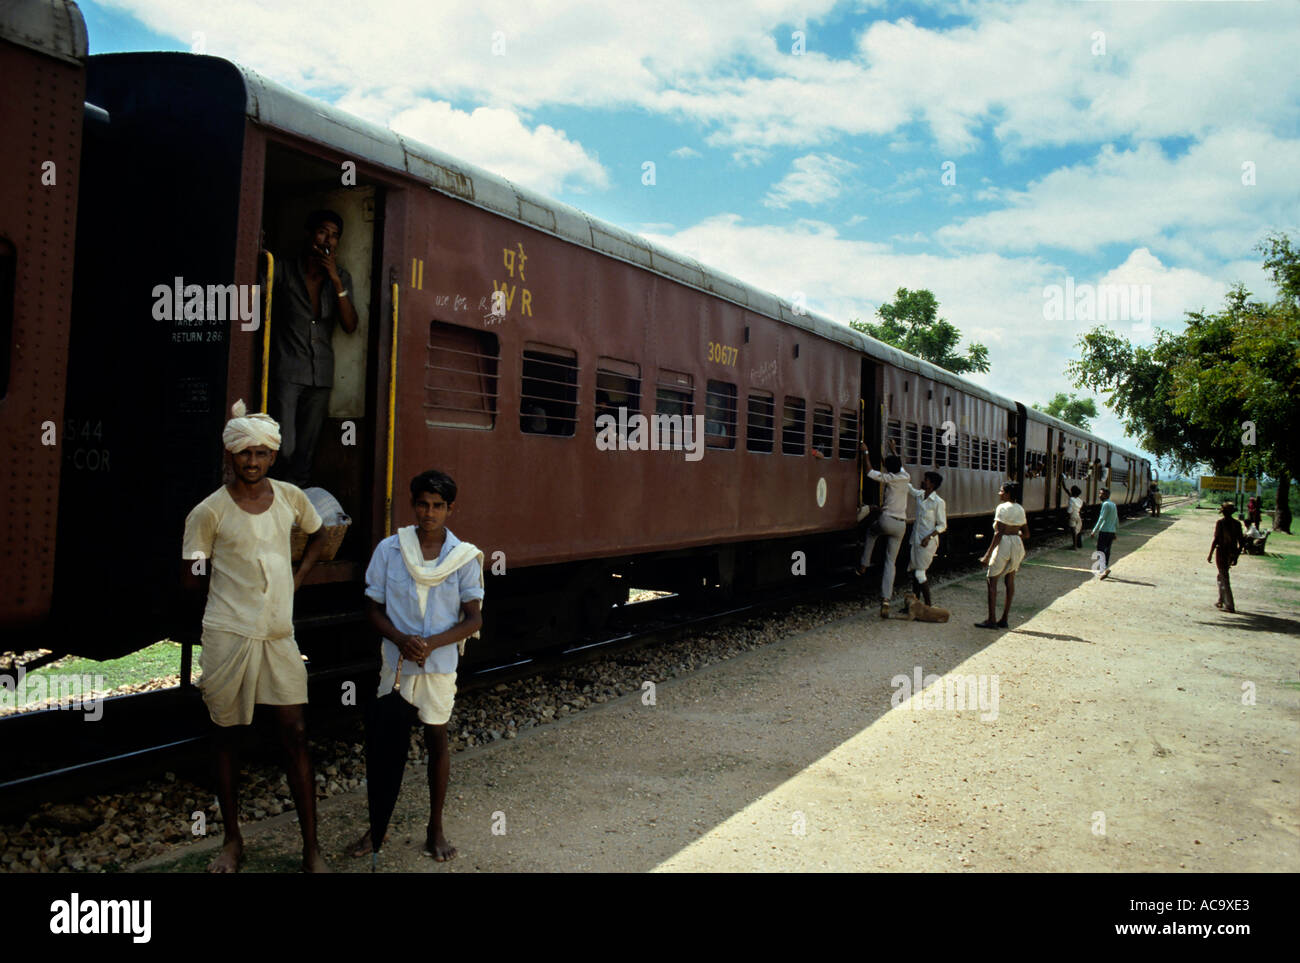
[530, 338]
[42, 56]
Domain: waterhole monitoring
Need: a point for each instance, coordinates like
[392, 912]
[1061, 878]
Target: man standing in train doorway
[237, 541]
[311, 292]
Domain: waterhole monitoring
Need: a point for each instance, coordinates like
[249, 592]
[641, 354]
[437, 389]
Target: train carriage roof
[52, 27]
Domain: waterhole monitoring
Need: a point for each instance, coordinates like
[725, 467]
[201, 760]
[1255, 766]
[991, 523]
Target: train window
[894, 432]
[674, 393]
[823, 438]
[759, 431]
[848, 435]
[720, 415]
[965, 451]
[984, 454]
[548, 395]
[618, 385]
[1002, 457]
[794, 426]
[910, 447]
[952, 449]
[8, 277]
[927, 445]
[460, 377]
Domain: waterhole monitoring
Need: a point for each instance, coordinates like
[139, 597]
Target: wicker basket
[333, 539]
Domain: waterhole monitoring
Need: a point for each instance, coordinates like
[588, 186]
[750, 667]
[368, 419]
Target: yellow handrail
[266, 328]
[392, 421]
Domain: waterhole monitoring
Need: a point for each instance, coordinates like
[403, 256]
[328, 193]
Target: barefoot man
[424, 592]
[237, 540]
[1005, 552]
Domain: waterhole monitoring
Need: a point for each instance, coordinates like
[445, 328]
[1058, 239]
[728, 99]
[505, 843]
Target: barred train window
[823, 433]
[794, 422]
[460, 377]
[675, 395]
[894, 432]
[984, 454]
[909, 436]
[965, 451]
[759, 430]
[848, 435]
[618, 385]
[720, 415]
[548, 394]
[927, 446]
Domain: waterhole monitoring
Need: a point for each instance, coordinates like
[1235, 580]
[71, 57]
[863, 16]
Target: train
[520, 340]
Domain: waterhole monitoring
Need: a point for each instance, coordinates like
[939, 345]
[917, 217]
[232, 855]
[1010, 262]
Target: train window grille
[953, 450]
[823, 430]
[927, 445]
[894, 433]
[675, 397]
[848, 435]
[910, 437]
[984, 454]
[460, 377]
[548, 395]
[1002, 457]
[965, 452]
[759, 425]
[618, 385]
[720, 415]
[794, 426]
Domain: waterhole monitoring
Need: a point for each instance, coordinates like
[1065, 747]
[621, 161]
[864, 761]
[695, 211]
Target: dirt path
[1121, 742]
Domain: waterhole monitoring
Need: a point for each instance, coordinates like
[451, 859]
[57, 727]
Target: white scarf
[427, 574]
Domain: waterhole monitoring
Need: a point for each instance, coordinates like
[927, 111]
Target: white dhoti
[1076, 524]
[239, 672]
[1007, 556]
[432, 693]
[923, 555]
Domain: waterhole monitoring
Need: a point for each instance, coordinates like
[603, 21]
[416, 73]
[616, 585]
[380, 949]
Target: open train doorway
[871, 431]
[307, 343]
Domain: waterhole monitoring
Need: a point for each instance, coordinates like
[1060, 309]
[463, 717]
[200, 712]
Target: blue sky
[1147, 144]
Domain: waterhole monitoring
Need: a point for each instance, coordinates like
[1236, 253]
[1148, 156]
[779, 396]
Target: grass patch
[153, 662]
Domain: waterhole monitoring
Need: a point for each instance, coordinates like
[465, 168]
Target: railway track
[53, 755]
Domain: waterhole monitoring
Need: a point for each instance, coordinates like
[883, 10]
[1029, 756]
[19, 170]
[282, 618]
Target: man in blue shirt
[1107, 526]
[424, 591]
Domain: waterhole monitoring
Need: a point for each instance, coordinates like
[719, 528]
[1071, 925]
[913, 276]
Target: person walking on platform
[237, 540]
[1224, 552]
[892, 522]
[1106, 528]
[1005, 552]
[931, 521]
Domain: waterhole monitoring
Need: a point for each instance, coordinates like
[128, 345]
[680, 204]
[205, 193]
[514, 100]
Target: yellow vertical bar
[392, 422]
[266, 329]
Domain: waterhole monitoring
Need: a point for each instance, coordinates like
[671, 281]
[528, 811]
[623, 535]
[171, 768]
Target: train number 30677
[723, 353]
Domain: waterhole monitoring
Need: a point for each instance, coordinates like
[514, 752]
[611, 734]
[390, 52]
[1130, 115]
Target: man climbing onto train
[931, 521]
[1005, 552]
[892, 522]
[237, 540]
[312, 291]
[424, 591]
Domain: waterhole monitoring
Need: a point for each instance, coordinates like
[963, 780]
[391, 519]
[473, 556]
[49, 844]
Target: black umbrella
[388, 738]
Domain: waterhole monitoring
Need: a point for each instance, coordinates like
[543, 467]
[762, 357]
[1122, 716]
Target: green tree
[1226, 391]
[1071, 409]
[912, 323]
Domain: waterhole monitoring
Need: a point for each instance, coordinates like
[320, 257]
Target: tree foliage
[1071, 409]
[912, 323]
[1225, 391]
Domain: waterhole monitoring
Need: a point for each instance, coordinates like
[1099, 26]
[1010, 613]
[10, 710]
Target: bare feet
[314, 862]
[363, 846]
[228, 859]
[438, 847]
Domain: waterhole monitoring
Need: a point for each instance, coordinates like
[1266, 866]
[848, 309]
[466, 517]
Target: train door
[1017, 425]
[298, 184]
[871, 419]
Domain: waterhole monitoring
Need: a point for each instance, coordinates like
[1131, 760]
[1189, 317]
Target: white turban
[248, 431]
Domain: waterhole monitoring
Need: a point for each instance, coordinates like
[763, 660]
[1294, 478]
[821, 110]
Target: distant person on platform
[1005, 552]
[1254, 511]
[1106, 529]
[312, 292]
[931, 521]
[1156, 498]
[1224, 552]
[237, 540]
[1074, 512]
[891, 523]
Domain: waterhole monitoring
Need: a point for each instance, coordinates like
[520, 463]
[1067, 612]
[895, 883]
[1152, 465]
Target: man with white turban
[237, 539]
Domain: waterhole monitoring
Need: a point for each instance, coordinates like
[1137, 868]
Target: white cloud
[685, 152]
[813, 179]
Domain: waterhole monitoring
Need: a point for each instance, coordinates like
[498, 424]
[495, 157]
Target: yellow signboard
[1227, 483]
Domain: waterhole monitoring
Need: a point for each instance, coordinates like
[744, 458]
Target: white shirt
[897, 486]
[931, 514]
[1076, 506]
[1009, 513]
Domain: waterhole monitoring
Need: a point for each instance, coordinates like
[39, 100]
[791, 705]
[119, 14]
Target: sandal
[1001, 623]
[986, 624]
